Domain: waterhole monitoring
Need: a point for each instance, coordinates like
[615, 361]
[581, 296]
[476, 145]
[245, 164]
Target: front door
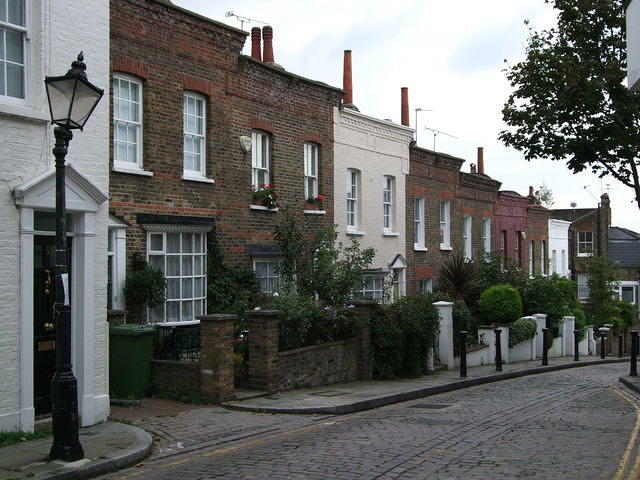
[43, 324]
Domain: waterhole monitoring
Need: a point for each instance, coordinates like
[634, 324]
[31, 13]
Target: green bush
[553, 295]
[581, 322]
[496, 270]
[500, 304]
[462, 318]
[521, 330]
[403, 335]
[145, 286]
[627, 313]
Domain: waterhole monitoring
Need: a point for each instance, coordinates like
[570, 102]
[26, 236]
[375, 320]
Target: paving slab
[344, 398]
[108, 446]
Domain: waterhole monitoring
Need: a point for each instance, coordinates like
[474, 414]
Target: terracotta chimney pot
[256, 36]
[404, 110]
[481, 160]
[267, 35]
[347, 81]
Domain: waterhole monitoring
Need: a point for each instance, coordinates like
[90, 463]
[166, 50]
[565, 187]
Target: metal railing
[177, 342]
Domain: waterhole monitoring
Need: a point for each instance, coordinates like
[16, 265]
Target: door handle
[49, 326]
[47, 282]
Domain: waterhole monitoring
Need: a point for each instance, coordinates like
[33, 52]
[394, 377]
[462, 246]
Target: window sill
[585, 254]
[197, 178]
[355, 232]
[420, 248]
[20, 109]
[132, 171]
[263, 208]
[314, 212]
[446, 247]
[390, 234]
[177, 324]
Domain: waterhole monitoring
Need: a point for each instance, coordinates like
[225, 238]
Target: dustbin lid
[131, 330]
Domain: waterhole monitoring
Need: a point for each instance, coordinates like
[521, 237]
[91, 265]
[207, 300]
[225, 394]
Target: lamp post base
[66, 444]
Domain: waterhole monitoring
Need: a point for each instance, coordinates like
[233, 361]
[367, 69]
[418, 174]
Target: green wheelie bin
[130, 360]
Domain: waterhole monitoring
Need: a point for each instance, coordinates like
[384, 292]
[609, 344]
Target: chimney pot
[404, 101]
[473, 168]
[256, 37]
[481, 160]
[531, 192]
[347, 80]
[267, 36]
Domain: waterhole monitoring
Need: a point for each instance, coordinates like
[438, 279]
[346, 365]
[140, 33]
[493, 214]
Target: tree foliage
[570, 101]
[602, 275]
[460, 278]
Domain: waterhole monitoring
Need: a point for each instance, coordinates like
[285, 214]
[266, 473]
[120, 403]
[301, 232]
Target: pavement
[167, 427]
[108, 446]
[344, 398]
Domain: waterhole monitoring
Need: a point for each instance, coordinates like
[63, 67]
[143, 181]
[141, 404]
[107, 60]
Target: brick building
[452, 212]
[197, 127]
[624, 250]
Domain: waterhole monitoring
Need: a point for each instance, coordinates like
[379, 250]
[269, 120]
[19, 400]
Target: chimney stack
[404, 109]
[481, 160]
[531, 192]
[267, 36]
[256, 37]
[347, 81]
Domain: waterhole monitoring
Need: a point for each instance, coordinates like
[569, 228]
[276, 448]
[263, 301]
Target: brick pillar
[263, 349]
[363, 310]
[216, 356]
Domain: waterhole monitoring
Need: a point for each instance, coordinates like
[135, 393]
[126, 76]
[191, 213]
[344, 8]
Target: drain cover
[329, 393]
[430, 406]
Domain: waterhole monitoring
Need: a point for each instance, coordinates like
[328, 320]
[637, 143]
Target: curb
[421, 392]
[633, 385]
[140, 450]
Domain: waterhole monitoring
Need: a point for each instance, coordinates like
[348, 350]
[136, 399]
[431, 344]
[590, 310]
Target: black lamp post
[72, 100]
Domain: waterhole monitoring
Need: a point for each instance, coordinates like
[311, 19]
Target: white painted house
[559, 247]
[371, 162]
[633, 44]
[42, 38]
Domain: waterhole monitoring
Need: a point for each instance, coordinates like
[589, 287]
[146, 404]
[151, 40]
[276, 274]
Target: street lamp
[72, 100]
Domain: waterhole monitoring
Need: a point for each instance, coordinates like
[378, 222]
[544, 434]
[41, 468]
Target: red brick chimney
[480, 160]
[347, 81]
[267, 35]
[256, 37]
[531, 193]
[404, 109]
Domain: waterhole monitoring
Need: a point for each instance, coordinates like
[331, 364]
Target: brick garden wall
[175, 375]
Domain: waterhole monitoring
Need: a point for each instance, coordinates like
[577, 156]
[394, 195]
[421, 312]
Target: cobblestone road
[563, 425]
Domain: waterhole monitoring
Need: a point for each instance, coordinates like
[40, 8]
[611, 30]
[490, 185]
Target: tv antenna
[242, 19]
[419, 110]
[436, 133]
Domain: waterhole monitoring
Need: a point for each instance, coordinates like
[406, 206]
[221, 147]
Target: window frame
[26, 57]
[486, 234]
[582, 251]
[203, 274]
[554, 261]
[388, 193]
[543, 258]
[532, 258]
[275, 278]
[201, 173]
[426, 285]
[139, 164]
[311, 161]
[365, 292]
[255, 168]
[419, 233]
[582, 287]
[353, 190]
[445, 224]
[467, 243]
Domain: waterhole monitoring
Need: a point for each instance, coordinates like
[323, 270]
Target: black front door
[44, 333]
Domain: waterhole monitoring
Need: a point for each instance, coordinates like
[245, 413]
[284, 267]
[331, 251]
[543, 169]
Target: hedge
[522, 330]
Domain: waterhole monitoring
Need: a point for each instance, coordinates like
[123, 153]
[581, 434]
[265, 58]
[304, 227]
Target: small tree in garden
[459, 277]
[500, 304]
[145, 286]
[553, 295]
[496, 270]
[602, 274]
[289, 237]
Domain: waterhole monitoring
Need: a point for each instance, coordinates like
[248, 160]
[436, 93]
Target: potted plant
[266, 196]
[314, 203]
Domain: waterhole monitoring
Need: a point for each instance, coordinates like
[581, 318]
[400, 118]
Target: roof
[170, 4]
[624, 247]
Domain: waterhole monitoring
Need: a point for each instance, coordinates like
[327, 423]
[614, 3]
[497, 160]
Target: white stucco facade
[377, 151]
[559, 247]
[55, 34]
[633, 44]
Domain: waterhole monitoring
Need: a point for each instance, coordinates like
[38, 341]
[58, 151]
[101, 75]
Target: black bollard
[545, 360]
[576, 348]
[633, 371]
[498, 331]
[619, 345]
[603, 336]
[463, 354]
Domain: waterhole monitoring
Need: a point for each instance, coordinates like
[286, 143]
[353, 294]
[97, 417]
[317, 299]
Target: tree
[570, 101]
[545, 196]
[602, 274]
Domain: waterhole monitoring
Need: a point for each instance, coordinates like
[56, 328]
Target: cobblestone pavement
[571, 424]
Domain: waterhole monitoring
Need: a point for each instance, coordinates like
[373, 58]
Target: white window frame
[388, 192]
[543, 258]
[311, 152]
[582, 280]
[418, 224]
[626, 284]
[426, 285]
[373, 287]
[117, 257]
[138, 125]
[272, 281]
[399, 278]
[583, 245]
[154, 315]
[563, 255]
[486, 234]
[24, 32]
[353, 204]
[554, 261]
[260, 159]
[201, 138]
[467, 225]
[445, 225]
[532, 258]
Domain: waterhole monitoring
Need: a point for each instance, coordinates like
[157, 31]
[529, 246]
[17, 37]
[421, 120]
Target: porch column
[27, 411]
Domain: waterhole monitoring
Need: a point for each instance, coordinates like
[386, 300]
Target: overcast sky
[451, 55]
